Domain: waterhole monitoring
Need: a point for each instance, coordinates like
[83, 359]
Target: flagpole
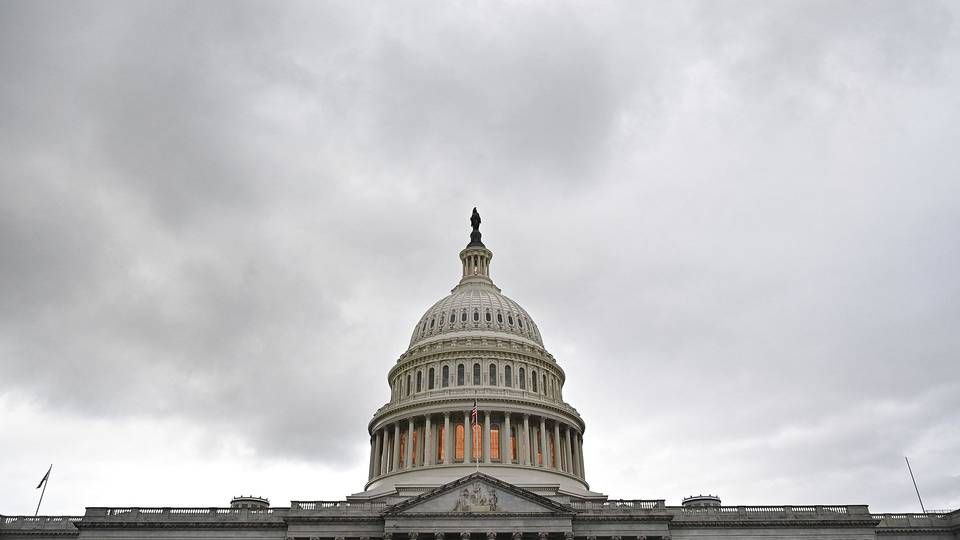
[46, 480]
[915, 488]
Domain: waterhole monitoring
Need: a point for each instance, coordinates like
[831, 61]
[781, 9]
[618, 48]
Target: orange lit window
[458, 454]
[495, 442]
[475, 440]
[403, 448]
[441, 443]
[415, 447]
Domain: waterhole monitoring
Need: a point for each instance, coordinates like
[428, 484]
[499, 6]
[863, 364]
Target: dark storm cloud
[735, 219]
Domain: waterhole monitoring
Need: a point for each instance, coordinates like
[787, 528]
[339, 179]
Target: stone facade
[476, 443]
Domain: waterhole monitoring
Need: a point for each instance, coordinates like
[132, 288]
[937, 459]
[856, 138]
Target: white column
[486, 437]
[505, 447]
[543, 442]
[568, 451]
[557, 449]
[524, 443]
[583, 472]
[428, 451]
[396, 446]
[408, 451]
[447, 458]
[385, 451]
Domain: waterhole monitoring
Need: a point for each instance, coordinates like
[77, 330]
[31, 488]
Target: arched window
[419, 381]
[523, 379]
[430, 383]
[493, 375]
[460, 375]
[507, 376]
[445, 376]
[476, 374]
[463, 316]
[476, 316]
[500, 317]
[510, 319]
[487, 316]
[533, 381]
[519, 323]
[432, 320]
[408, 385]
[453, 317]
[544, 384]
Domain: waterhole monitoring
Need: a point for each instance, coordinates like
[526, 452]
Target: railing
[39, 522]
[337, 507]
[617, 505]
[932, 518]
[763, 512]
[472, 392]
[185, 514]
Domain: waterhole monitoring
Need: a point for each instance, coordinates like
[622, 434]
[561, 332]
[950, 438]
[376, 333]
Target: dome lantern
[475, 257]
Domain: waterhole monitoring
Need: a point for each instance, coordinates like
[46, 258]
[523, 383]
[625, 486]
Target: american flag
[474, 414]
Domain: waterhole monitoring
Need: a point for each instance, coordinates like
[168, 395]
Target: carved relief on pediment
[476, 498]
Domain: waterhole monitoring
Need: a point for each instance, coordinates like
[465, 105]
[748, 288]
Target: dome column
[568, 451]
[428, 452]
[557, 449]
[408, 449]
[506, 449]
[543, 443]
[384, 450]
[525, 441]
[377, 445]
[446, 439]
[396, 446]
[486, 437]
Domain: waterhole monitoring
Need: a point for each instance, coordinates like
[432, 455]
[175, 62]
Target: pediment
[478, 493]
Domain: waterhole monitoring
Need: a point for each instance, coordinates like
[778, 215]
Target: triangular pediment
[478, 493]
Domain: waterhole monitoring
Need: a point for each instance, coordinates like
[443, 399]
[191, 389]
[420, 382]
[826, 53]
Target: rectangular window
[403, 449]
[415, 447]
[458, 454]
[495, 442]
[476, 440]
[514, 455]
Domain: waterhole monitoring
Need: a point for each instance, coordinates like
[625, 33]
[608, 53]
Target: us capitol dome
[476, 349]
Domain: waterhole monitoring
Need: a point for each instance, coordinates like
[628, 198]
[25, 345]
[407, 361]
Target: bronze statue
[475, 223]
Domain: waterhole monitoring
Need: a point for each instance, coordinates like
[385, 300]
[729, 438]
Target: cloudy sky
[737, 225]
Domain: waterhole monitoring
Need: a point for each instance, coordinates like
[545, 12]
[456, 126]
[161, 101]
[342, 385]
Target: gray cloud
[733, 223]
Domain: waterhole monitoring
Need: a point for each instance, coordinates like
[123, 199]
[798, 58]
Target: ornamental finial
[475, 223]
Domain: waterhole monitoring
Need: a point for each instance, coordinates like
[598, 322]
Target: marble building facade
[477, 443]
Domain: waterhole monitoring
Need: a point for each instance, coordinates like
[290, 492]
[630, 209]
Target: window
[493, 375]
[519, 323]
[463, 316]
[533, 381]
[453, 317]
[414, 447]
[419, 381]
[552, 452]
[500, 318]
[544, 384]
[403, 448]
[460, 375]
[458, 451]
[476, 316]
[523, 379]
[432, 320]
[495, 442]
[475, 441]
[507, 376]
[514, 457]
[408, 385]
[430, 375]
[445, 377]
[510, 320]
[487, 316]
[476, 374]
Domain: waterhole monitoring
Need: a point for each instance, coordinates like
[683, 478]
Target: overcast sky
[737, 225]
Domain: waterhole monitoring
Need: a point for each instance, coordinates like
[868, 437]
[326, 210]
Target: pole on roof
[915, 484]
